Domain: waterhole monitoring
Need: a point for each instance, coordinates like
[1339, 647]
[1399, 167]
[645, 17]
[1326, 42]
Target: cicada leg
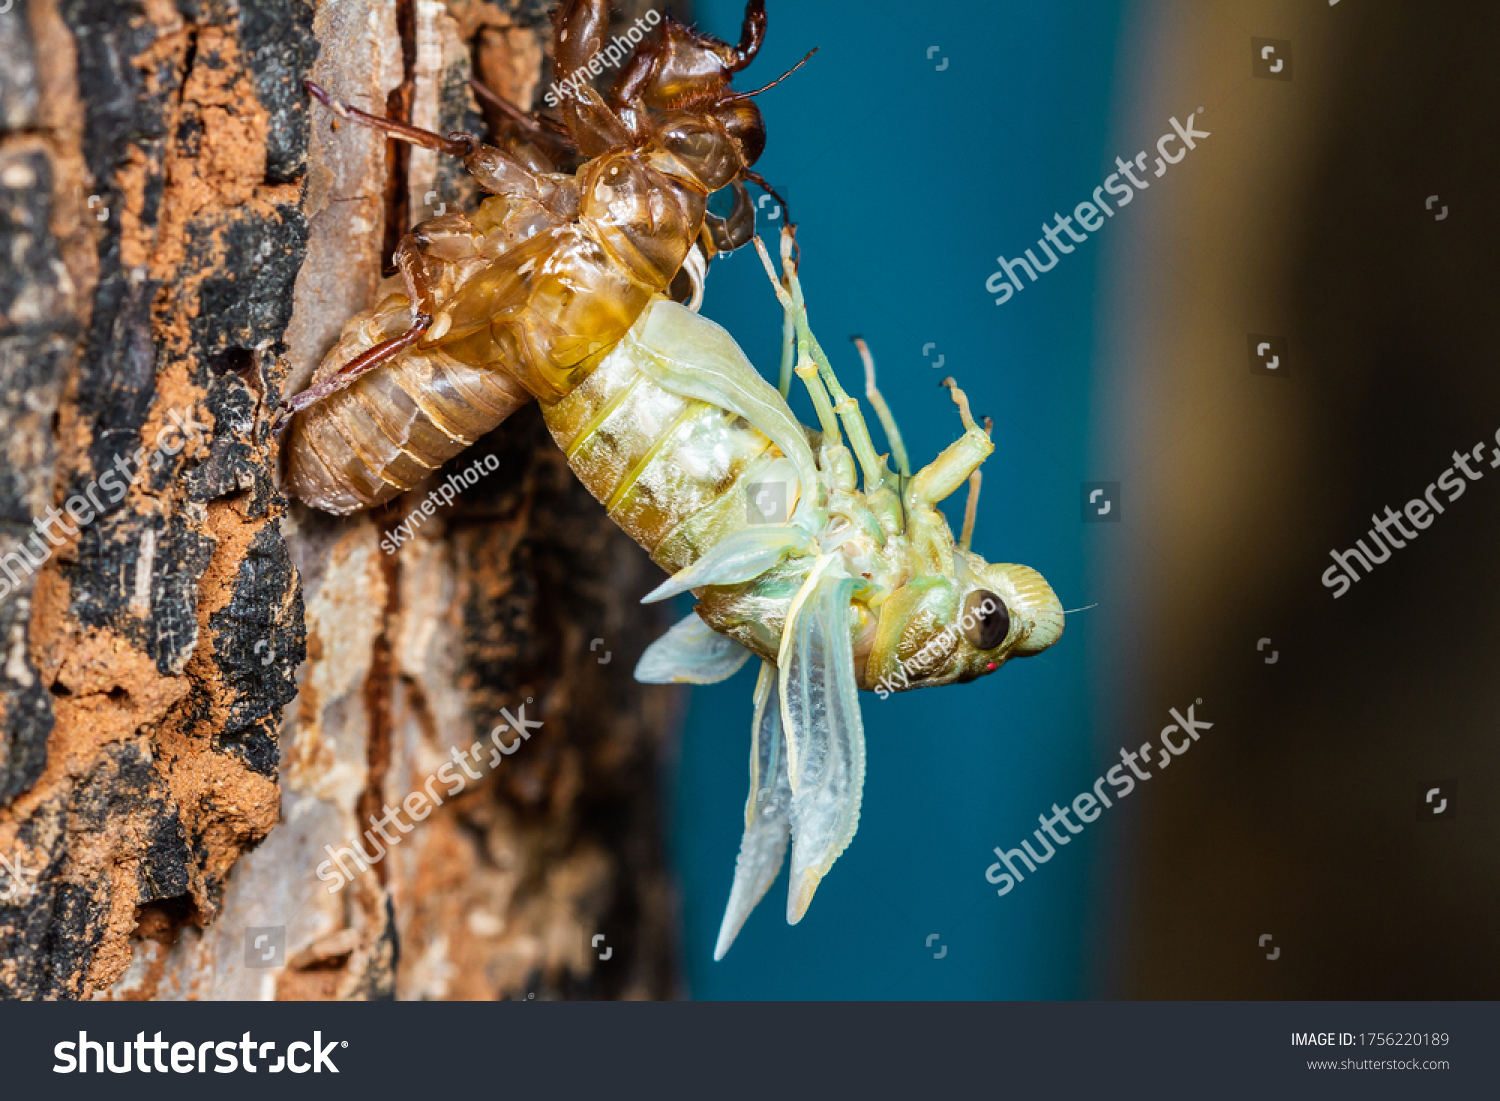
[971, 505]
[813, 361]
[346, 375]
[496, 171]
[662, 60]
[939, 478]
[578, 32]
[788, 307]
[456, 144]
[421, 276]
[732, 231]
[882, 410]
[532, 148]
[806, 369]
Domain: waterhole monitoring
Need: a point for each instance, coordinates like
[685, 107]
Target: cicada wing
[691, 653]
[747, 553]
[688, 354]
[825, 735]
[767, 813]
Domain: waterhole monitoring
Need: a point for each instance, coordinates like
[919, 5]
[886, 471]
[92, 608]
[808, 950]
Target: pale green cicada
[841, 588]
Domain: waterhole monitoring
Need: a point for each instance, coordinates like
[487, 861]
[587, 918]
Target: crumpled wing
[825, 734]
[691, 653]
[688, 354]
[767, 813]
[747, 553]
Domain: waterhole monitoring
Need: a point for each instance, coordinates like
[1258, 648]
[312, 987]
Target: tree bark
[207, 692]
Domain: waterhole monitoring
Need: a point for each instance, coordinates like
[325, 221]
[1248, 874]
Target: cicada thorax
[550, 310]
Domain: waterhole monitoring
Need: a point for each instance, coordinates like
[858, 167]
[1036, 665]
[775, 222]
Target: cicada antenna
[538, 128]
[778, 80]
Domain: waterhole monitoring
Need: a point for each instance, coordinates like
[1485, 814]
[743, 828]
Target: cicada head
[939, 629]
[688, 67]
[682, 80]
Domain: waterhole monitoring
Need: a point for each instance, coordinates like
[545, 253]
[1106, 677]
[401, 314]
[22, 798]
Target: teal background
[906, 181]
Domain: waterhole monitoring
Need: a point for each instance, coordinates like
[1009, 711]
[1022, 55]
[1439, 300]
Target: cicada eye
[986, 620]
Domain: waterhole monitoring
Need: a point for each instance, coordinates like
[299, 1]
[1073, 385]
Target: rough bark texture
[184, 239]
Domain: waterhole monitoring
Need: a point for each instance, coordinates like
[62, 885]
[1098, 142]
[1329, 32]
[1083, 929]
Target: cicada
[803, 547]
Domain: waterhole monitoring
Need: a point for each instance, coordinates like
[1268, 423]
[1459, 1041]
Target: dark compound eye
[985, 621]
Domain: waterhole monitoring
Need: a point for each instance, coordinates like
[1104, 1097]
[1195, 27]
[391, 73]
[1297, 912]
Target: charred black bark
[156, 170]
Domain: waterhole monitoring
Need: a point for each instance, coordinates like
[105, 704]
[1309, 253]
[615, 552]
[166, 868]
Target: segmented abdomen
[671, 470]
[382, 435]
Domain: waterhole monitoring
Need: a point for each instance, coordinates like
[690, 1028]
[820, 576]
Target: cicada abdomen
[673, 468]
[391, 428]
